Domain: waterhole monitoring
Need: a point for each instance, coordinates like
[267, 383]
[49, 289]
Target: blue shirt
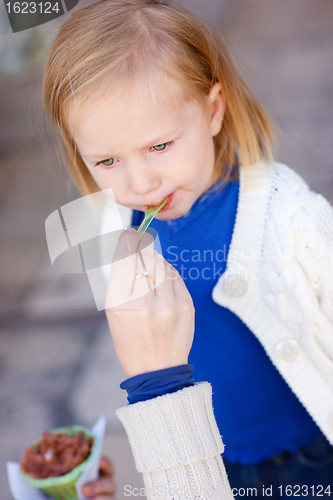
[257, 413]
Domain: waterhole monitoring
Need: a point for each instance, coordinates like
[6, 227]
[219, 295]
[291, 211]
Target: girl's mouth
[166, 206]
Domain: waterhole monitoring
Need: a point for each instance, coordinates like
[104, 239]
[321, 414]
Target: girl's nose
[141, 179]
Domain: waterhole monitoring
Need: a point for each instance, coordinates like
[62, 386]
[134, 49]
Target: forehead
[135, 92]
[119, 113]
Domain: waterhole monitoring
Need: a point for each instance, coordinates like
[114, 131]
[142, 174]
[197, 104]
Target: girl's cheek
[99, 173]
[96, 176]
[106, 179]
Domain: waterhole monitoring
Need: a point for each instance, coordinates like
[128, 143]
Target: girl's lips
[168, 203]
[166, 206]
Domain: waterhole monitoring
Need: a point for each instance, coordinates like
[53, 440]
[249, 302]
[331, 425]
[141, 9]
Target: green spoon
[149, 215]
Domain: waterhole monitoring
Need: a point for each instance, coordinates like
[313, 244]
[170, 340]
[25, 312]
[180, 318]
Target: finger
[103, 485]
[142, 285]
[172, 290]
[127, 244]
[123, 269]
[164, 275]
[180, 290]
[106, 467]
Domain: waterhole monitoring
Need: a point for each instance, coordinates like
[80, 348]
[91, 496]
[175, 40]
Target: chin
[169, 215]
[163, 216]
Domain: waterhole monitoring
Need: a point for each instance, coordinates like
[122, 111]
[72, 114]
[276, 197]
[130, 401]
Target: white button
[234, 286]
[288, 350]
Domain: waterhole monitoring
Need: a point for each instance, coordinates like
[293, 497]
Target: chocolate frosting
[55, 454]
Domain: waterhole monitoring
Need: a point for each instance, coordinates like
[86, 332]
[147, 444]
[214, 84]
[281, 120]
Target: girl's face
[150, 145]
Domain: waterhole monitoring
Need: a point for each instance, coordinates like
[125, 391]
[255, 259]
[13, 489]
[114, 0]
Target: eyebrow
[96, 156]
[154, 142]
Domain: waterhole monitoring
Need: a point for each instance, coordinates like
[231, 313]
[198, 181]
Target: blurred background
[57, 364]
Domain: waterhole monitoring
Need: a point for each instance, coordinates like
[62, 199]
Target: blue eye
[108, 162]
[161, 147]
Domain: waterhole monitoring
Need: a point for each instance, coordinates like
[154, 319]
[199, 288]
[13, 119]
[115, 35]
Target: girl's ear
[216, 107]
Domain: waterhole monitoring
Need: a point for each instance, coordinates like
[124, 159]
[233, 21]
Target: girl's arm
[314, 251]
[177, 446]
[304, 225]
[174, 438]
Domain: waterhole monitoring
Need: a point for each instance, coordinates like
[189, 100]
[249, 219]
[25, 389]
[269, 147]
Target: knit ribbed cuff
[172, 429]
[177, 446]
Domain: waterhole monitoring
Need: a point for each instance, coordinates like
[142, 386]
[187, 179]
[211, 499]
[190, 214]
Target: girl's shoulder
[273, 189]
[282, 185]
[274, 176]
[287, 179]
[292, 200]
[279, 196]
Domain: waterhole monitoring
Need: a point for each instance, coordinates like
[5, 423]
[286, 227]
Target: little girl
[149, 103]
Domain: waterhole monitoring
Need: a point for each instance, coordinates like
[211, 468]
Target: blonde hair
[117, 39]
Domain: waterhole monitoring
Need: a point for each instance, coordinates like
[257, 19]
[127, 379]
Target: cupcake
[55, 462]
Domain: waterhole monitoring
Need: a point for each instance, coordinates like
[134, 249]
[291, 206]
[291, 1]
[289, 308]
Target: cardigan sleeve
[177, 446]
[304, 235]
[314, 253]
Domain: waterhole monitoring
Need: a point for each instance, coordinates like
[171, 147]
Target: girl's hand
[103, 488]
[155, 330]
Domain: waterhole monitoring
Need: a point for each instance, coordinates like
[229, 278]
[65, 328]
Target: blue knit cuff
[153, 384]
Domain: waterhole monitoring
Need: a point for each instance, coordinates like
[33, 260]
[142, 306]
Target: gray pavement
[58, 365]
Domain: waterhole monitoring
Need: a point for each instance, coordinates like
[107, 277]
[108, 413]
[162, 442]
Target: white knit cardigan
[279, 281]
